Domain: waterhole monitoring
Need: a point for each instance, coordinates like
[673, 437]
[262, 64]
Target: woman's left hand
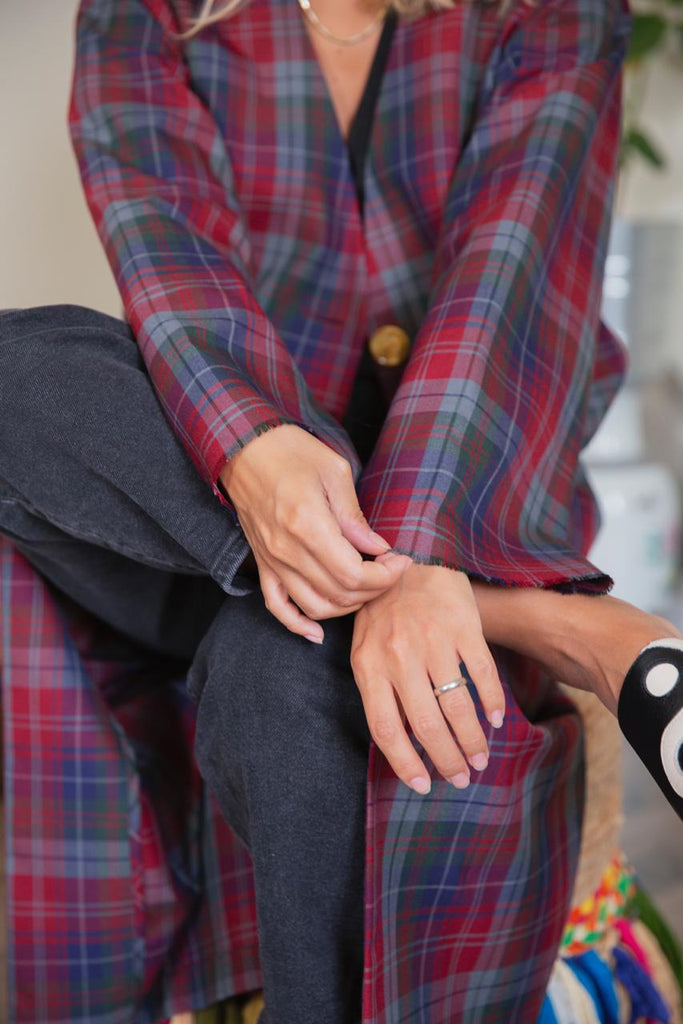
[408, 640]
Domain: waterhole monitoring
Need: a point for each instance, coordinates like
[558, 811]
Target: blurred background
[51, 254]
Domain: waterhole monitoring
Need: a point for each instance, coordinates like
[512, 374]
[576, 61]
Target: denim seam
[83, 328]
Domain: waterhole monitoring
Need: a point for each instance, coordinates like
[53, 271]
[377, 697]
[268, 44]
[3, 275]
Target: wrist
[547, 626]
[513, 617]
[587, 641]
[237, 458]
[226, 473]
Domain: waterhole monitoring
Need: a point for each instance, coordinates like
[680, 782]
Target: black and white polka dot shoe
[650, 714]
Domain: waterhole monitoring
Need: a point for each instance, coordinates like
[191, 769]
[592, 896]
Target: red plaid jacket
[221, 189]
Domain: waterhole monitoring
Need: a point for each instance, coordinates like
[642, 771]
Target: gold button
[389, 345]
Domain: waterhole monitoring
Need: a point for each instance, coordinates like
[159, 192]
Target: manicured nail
[313, 638]
[496, 719]
[421, 785]
[461, 780]
[479, 761]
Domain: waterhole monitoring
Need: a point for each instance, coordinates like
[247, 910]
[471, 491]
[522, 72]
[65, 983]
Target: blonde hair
[210, 13]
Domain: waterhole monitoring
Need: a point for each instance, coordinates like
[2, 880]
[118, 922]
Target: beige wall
[659, 194]
[50, 252]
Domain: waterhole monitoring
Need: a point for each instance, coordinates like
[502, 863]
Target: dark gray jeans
[101, 498]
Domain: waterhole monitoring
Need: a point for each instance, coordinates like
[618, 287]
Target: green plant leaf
[647, 34]
[636, 142]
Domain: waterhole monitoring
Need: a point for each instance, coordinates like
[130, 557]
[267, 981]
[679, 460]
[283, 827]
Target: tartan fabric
[220, 186]
[222, 190]
[129, 899]
[467, 896]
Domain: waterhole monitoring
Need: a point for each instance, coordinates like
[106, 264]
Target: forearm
[159, 181]
[519, 617]
[586, 641]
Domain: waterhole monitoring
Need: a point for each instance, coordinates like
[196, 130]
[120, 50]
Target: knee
[257, 685]
[40, 337]
[50, 357]
[31, 321]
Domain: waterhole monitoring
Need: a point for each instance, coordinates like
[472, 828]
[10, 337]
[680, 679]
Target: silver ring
[453, 685]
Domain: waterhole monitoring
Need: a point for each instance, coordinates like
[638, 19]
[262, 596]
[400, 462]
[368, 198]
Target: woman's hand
[406, 641]
[297, 505]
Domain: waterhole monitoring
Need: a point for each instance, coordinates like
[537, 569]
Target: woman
[215, 439]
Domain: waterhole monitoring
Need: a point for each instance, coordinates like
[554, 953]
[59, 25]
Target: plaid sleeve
[158, 182]
[477, 465]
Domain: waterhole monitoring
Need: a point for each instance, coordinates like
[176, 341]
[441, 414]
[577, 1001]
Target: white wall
[49, 250]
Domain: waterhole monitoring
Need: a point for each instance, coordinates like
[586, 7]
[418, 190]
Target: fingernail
[314, 639]
[479, 761]
[380, 540]
[461, 780]
[496, 719]
[420, 785]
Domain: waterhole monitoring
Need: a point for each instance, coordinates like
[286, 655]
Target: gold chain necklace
[357, 37]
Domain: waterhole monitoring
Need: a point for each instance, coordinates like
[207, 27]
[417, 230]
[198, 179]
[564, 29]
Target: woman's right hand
[297, 505]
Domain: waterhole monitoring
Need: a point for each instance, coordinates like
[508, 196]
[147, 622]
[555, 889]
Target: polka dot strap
[650, 714]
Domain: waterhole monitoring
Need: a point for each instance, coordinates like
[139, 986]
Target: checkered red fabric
[129, 899]
[221, 188]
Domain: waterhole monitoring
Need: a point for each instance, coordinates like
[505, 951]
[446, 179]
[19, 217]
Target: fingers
[457, 709]
[297, 504]
[333, 565]
[422, 711]
[387, 730]
[285, 611]
[310, 601]
[416, 654]
[456, 705]
[283, 590]
[343, 501]
[474, 652]
[429, 719]
[431, 727]
[303, 587]
[308, 540]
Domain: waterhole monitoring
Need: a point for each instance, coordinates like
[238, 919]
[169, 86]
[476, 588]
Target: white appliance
[639, 539]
